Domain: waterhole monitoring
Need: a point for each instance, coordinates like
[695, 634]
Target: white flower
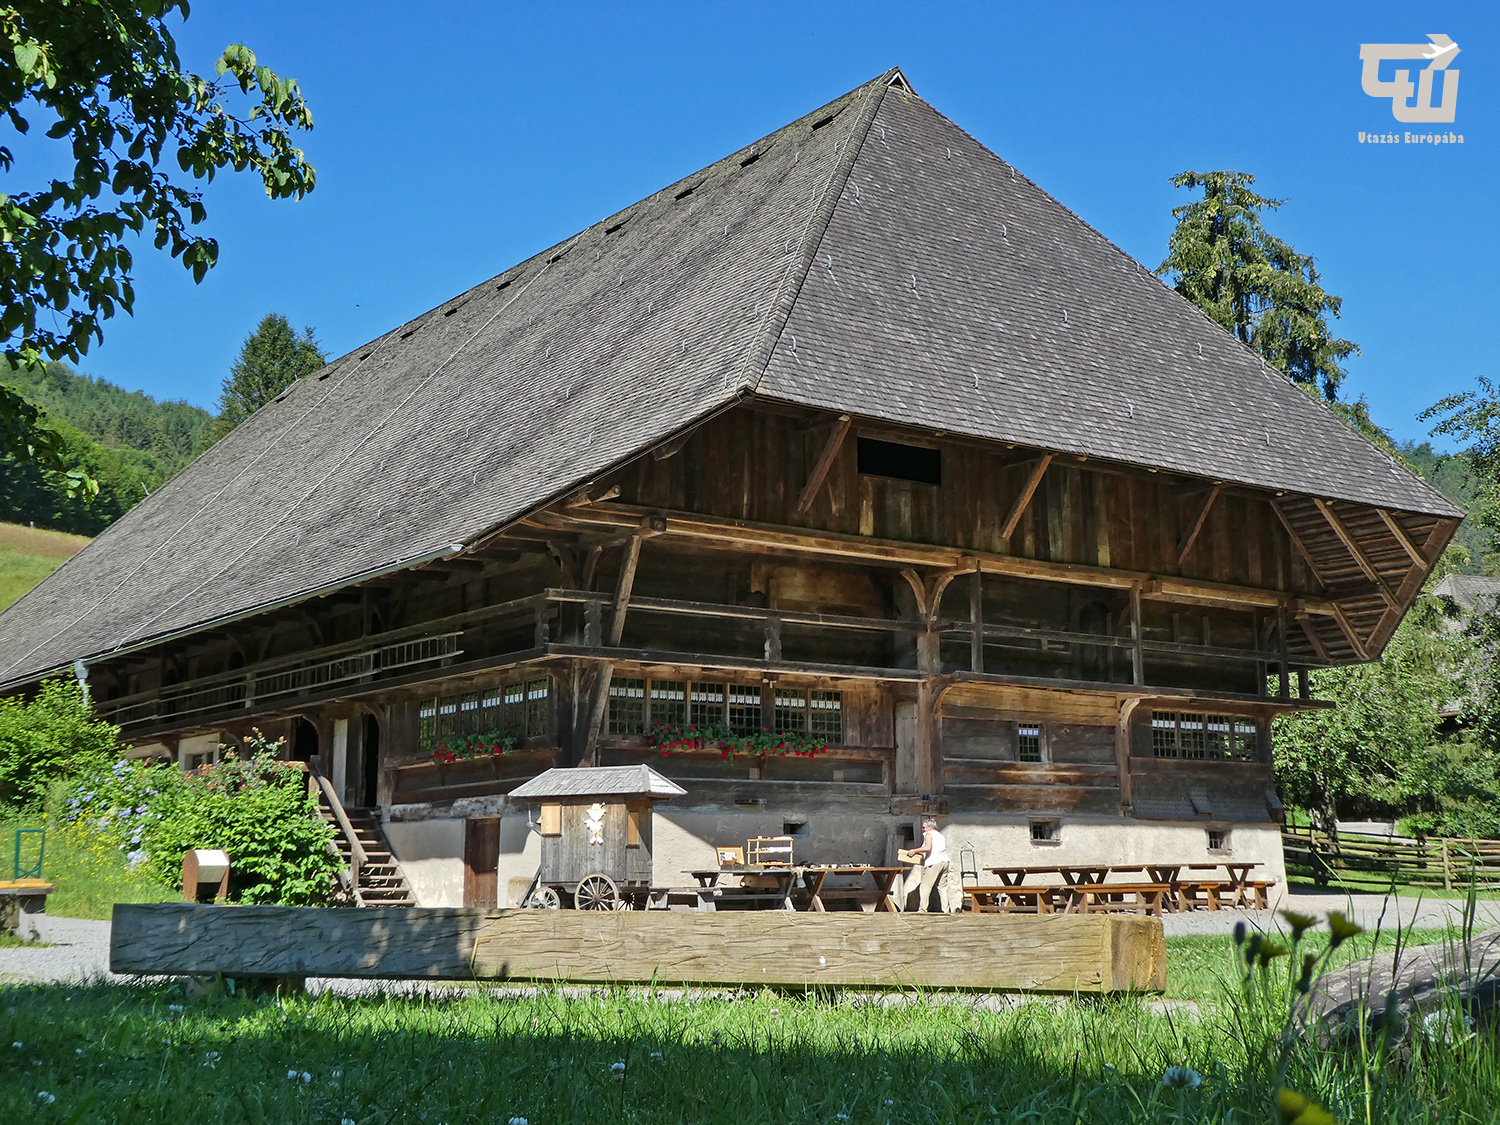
[336, 1073]
[45, 1098]
[841, 1117]
[175, 1009]
[519, 1121]
[347, 1121]
[890, 1101]
[211, 1060]
[299, 1076]
[617, 1070]
[1182, 1078]
[18, 1044]
[656, 1054]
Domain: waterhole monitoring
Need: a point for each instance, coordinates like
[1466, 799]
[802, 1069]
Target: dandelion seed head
[1181, 1078]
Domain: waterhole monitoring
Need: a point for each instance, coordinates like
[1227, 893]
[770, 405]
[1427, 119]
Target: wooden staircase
[371, 874]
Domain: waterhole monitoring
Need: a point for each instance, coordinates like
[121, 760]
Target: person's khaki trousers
[922, 880]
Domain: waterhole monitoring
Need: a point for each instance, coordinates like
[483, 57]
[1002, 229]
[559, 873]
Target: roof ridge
[758, 357]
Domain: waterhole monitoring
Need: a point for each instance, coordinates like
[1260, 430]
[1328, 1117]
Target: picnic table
[815, 875]
[774, 894]
[1086, 888]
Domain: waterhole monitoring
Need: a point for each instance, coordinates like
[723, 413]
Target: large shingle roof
[870, 258]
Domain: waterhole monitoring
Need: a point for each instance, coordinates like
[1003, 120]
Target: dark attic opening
[900, 462]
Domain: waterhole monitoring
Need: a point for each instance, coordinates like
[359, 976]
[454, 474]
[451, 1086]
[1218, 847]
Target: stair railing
[357, 856]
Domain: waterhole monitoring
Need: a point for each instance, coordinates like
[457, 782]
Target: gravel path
[79, 948]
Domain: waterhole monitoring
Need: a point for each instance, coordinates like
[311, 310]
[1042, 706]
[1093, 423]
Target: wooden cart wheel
[596, 892]
[544, 898]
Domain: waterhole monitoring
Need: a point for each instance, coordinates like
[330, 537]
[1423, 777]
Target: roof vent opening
[558, 256]
[408, 335]
[818, 124]
[749, 160]
[685, 192]
[503, 285]
[617, 226]
[900, 462]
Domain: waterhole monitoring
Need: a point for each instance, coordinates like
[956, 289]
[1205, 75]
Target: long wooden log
[1060, 953]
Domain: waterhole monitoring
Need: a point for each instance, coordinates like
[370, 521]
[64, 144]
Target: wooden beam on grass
[1028, 490]
[1192, 535]
[1061, 953]
[1353, 547]
[824, 463]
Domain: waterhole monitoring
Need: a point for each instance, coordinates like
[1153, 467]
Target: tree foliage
[104, 78]
[49, 738]
[271, 359]
[1222, 259]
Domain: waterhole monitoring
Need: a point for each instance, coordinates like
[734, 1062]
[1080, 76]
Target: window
[633, 827]
[519, 709]
[1046, 831]
[668, 702]
[900, 462]
[1028, 743]
[744, 708]
[1188, 734]
[551, 822]
[637, 706]
[627, 706]
[1218, 839]
[794, 828]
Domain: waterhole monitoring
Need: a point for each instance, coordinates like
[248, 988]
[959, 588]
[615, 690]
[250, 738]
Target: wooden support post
[1304, 684]
[824, 463]
[1023, 501]
[1192, 535]
[593, 624]
[1447, 867]
[976, 620]
[1137, 650]
[543, 631]
[1353, 547]
[599, 697]
[929, 763]
[1122, 754]
[1286, 671]
[623, 588]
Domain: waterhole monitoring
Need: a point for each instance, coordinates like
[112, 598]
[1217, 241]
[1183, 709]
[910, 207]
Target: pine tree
[1254, 284]
[272, 358]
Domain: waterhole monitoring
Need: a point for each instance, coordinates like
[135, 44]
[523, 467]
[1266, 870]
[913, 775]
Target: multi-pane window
[627, 706]
[791, 709]
[518, 709]
[826, 715]
[1193, 735]
[1028, 743]
[744, 708]
[668, 702]
[637, 705]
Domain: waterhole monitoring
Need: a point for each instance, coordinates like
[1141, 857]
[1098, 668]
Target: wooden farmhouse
[855, 451]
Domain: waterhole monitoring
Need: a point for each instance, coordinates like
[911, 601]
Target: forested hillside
[126, 440]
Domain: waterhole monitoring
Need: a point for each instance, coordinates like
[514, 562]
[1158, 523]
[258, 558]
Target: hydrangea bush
[253, 806]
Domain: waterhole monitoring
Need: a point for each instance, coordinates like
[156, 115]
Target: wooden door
[481, 862]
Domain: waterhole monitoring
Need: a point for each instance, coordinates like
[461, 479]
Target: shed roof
[869, 258]
[598, 781]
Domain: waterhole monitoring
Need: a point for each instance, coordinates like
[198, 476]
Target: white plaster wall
[431, 853]
[520, 856]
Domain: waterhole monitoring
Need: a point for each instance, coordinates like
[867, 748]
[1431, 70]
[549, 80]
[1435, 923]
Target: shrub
[49, 737]
[256, 808]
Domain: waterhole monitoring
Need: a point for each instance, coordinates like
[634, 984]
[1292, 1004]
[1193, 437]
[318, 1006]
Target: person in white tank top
[933, 871]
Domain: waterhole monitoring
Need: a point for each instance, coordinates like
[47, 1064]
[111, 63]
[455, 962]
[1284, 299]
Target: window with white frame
[639, 705]
[1029, 743]
[518, 708]
[1198, 736]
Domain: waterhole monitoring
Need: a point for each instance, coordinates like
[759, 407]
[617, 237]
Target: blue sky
[455, 139]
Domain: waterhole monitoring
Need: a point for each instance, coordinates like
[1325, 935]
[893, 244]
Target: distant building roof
[598, 781]
[1470, 590]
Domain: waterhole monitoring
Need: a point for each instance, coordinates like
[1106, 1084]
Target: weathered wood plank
[996, 953]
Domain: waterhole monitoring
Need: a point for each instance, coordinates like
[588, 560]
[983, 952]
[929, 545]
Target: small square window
[1028, 743]
[627, 706]
[1218, 839]
[1046, 831]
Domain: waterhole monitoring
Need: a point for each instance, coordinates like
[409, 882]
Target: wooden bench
[1256, 892]
[1004, 899]
[1099, 898]
[1203, 894]
[681, 898]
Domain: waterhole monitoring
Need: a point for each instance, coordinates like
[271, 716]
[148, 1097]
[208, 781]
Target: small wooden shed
[595, 824]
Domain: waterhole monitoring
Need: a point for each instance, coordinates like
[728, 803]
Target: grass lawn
[28, 554]
[90, 876]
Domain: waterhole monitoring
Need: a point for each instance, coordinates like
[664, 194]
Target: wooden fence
[1374, 863]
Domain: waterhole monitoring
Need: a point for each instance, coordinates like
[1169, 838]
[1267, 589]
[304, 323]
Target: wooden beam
[999, 952]
[623, 586]
[1192, 535]
[1028, 490]
[1347, 628]
[748, 535]
[1403, 538]
[1432, 550]
[1354, 549]
[598, 706]
[1297, 542]
[824, 463]
[1137, 653]
[1311, 631]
